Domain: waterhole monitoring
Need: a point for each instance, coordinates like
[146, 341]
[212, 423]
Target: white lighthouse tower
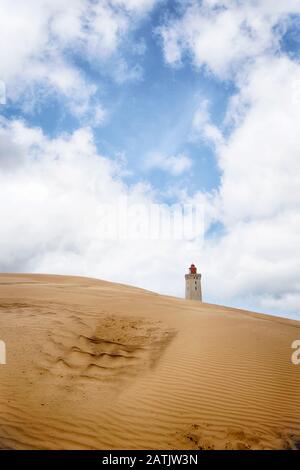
[193, 284]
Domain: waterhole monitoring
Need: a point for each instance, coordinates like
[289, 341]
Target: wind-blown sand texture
[97, 365]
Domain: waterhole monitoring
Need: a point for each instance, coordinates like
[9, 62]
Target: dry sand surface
[96, 365]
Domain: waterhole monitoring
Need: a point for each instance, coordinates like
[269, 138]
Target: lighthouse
[193, 284]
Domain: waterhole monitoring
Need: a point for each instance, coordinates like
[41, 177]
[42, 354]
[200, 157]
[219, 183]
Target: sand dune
[96, 365]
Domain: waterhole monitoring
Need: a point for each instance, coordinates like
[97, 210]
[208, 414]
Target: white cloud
[262, 155]
[38, 37]
[174, 164]
[222, 34]
[136, 6]
[203, 126]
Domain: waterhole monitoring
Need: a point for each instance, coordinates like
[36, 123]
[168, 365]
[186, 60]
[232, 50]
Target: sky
[112, 108]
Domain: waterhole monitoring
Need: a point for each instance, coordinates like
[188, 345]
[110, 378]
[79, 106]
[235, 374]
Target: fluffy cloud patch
[39, 38]
[204, 127]
[174, 165]
[223, 34]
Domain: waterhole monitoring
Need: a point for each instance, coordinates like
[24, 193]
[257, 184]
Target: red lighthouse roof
[193, 269]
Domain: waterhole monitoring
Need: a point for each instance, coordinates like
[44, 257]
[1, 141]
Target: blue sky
[186, 100]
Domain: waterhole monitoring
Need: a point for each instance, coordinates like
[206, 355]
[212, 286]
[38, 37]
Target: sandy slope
[98, 365]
